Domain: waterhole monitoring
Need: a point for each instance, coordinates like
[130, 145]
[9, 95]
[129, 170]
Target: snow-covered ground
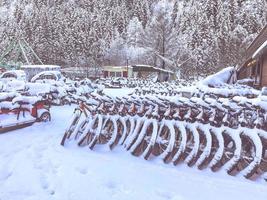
[33, 166]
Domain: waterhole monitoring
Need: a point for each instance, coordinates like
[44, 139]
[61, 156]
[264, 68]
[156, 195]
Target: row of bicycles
[207, 130]
[138, 83]
[61, 92]
[167, 89]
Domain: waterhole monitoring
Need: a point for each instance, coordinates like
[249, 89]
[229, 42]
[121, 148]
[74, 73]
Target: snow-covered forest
[195, 36]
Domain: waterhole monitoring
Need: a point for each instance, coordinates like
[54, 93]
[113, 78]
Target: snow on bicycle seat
[241, 99]
[117, 99]
[79, 98]
[214, 103]
[199, 101]
[258, 103]
[180, 100]
[91, 101]
[27, 100]
[8, 105]
[37, 88]
[230, 104]
[156, 100]
[7, 95]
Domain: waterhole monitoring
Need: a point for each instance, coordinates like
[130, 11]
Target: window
[258, 68]
[118, 74]
[105, 74]
[41, 77]
[253, 70]
[8, 75]
[258, 73]
[125, 74]
[112, 74]
[50, 77]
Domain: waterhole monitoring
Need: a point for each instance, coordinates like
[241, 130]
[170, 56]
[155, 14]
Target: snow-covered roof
[261, 34]
[143, 66]
[40, 66]
[116, 67]
[164, 70]
[260, 49]
[153, 68]
[49, 72]
[83, 69]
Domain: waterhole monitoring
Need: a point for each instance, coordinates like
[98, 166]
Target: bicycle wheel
[74, 121]
[141, 144]
[165, 141]
[89, 137]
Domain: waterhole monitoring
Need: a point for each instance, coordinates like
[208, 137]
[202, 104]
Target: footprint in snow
[44, 182]
[4, 175]
[46, 185]
[117, 189]
[168, 195]
[111, 185]
[82, 170]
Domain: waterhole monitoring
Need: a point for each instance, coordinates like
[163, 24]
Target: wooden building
[255, 66]
[146, 71]
[79, 73]
[137, 71]
[117, 71]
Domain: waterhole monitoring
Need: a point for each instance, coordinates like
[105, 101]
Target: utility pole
[127, 64]
[163, 48]
[87, 71]
[163, 35]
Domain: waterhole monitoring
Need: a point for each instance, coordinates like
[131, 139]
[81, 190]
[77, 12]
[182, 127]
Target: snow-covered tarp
[219, 79]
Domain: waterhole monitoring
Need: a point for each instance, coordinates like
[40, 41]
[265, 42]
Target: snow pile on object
[219, 79]
[7, 105]
[27, 99]
[37, 88]
[246, 81]
[264, 91]
[230, 91]
[15, 85]
[7, 95]
[224, 84]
